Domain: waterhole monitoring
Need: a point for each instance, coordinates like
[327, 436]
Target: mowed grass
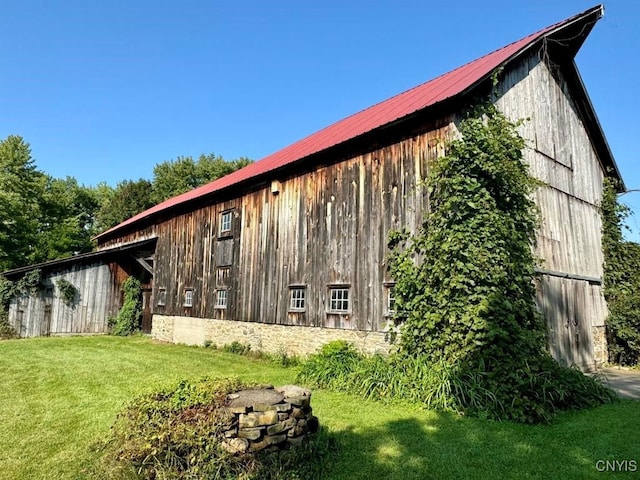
[59, 396]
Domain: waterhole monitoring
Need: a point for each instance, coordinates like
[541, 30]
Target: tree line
[45, 218]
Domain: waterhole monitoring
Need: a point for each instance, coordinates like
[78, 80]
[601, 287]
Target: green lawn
[59, 396]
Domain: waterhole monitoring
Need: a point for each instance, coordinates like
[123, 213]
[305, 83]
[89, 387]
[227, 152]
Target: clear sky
[105, 89]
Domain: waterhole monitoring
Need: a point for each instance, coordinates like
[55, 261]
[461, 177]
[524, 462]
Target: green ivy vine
[465, 281]
[68, 291]
[129, 319]
[28, 284]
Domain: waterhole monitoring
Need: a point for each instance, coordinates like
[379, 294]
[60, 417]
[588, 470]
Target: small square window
[339, 300]
[162, 297]
[188, 297]
[225, 223]
[297, 299]
[221, 298]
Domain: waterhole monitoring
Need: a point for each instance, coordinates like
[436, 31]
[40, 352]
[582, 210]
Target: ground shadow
[446, 446]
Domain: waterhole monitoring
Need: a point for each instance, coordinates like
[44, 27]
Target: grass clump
[533, 393]
[178, 433]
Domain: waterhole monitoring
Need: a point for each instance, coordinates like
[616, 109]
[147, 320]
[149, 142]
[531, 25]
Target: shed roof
[393, 110]
[104, 255]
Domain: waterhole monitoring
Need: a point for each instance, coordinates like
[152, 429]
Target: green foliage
[237, 348]
[465, 292]
[282, 357]
[532, 393]
[117, 205]
[27, 285]
[129, 319]
[474, 295]
[183, 174]
[621, 280]
[20, 190]
[177, 433]
[67, 219]
[6, 329]
[68, 291]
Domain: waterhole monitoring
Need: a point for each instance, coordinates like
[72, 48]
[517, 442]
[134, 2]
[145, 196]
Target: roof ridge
[368, 119]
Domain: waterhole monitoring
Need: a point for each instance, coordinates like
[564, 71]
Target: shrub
[237, 348]
[129, 319]
[621, 280]
[176, 433]
[6, 329]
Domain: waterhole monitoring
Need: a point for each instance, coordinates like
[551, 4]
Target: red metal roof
[395, 108]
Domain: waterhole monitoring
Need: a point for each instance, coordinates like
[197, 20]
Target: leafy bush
[129, 319]
[6, 329]
[621, 281]
[176, 433]
[623, 329]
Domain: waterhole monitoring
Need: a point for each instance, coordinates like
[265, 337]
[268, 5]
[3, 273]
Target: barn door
[565, 306]
[146, 310]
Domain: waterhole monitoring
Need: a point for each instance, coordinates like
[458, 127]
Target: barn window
[221, 298]
[162, 297]
[222, 276]
[188, 297]
[391, 297]
[297, 298]
[339, 299]
[226, 219]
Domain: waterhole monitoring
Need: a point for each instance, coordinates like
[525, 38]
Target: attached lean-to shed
[95, 279]
[290, 252]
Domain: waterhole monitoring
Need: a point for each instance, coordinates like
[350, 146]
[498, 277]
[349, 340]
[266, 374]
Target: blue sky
[104, 90]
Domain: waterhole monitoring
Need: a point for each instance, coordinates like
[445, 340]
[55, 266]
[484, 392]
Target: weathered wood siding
[326, 227]
[330, 227]
[560, 154]
[47, 314]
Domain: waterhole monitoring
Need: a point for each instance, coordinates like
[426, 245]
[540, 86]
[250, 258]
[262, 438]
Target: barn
[290, 252]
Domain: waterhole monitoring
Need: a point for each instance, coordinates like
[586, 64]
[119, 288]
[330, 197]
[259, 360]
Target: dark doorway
[146, 310]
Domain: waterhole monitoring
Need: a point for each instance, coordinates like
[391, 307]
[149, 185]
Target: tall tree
[21, 185]
[177, 176]
[128, 199]
[68, 213]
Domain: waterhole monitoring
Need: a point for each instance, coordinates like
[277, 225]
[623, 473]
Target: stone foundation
[269, 419]
[600, 350]
[272, 338]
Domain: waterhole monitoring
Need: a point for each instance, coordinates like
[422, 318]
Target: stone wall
[265, 337]
[600, 351]
[269, 419]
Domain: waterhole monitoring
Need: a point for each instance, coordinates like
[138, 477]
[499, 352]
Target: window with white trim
[221, 298]
[226, 219]
[391, 297]
[339, 301]
[188, 297]
[297, 299]
[162, 297]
